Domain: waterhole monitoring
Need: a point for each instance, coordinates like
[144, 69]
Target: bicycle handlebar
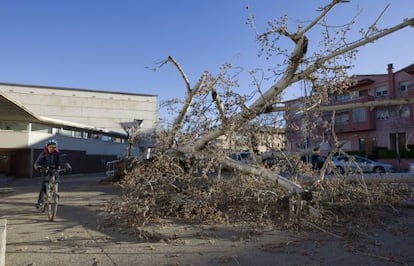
[48, 169]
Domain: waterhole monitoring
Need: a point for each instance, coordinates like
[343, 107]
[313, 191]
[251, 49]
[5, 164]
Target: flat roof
[76, 89]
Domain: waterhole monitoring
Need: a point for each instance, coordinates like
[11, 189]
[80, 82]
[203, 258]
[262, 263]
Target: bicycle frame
[52, 196]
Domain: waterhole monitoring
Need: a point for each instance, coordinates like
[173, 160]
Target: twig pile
[151, 195]
[159, 191]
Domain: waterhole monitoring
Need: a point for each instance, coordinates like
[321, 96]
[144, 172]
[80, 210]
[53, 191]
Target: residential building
[364, 129]
[265, 139]
[91, 126]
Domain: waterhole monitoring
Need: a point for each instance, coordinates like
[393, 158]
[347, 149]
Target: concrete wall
[96, 108]
[13, 139]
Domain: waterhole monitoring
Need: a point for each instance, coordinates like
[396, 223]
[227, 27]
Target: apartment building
[91, 126]
[364, 129]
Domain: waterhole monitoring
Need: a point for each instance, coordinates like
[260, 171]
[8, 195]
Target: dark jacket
[50, 160]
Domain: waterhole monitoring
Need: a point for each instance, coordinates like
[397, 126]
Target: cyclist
[49, 158]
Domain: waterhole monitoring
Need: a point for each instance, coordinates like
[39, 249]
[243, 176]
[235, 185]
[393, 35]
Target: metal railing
[111, 168]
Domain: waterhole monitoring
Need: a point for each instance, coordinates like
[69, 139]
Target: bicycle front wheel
[53, 203]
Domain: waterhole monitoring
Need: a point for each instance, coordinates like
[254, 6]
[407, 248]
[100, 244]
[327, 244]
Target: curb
[3, 233]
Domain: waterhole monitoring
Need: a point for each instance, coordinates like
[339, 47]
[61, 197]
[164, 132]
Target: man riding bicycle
[48, 159]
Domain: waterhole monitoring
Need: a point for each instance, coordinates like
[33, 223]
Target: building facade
[364, 129]
[92, 127]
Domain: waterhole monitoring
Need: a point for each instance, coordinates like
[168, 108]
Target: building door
[397, 141]
[367, 145]
[4, 163]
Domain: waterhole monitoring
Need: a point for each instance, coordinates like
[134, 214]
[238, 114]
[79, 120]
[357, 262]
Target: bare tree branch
[220, 107]
[263, 172]
[183, 75]
[374, 25]
[189, 98]
[325, 10]
[362, 42]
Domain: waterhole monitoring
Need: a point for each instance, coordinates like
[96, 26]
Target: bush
[385, 153]
[407, 153]
[360, 153]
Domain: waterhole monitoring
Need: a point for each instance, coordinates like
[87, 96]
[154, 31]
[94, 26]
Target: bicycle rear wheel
[53, 203]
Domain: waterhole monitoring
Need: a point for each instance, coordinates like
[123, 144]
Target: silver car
[357, 164]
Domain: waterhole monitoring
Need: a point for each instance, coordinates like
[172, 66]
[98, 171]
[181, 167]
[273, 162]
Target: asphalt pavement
[81, 235]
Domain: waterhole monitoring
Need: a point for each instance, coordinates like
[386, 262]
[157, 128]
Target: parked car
[411, 168]
[316, 160]
[355, 164]
[243, 157]
[269, 162]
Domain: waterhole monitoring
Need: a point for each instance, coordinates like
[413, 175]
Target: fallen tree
[180, 180]
[226, 119]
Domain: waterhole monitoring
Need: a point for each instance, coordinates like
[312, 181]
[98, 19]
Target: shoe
[40, 206]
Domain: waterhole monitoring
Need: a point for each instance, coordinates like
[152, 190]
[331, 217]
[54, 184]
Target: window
[65, 132]
[77, 134]
[348, 96]
[382, 114]
[343, 97]
[359, 115]
[362, 144]
[354, 94]
[342, 118]
[14, 126]
[405, 111]
[106, 138]
[405, 85]
[381, 91]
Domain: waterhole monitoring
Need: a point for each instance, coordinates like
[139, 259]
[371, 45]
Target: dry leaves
[158, 191]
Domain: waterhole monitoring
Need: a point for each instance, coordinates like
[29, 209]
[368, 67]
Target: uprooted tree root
[152, 195]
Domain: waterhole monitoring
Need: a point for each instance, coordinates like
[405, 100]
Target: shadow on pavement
[81, 208]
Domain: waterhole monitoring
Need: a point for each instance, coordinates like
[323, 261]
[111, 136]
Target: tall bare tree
[213, 109]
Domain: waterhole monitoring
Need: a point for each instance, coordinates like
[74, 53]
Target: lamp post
[397, 150]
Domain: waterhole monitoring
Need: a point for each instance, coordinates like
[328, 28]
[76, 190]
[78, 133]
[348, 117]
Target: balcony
[350, 126]
[359, 99]
[357, 126]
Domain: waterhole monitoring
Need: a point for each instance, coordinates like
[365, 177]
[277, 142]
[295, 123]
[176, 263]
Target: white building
[92, 127]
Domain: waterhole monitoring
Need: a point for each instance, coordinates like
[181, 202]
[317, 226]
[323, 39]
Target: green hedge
[384, 153]
[408, 153]
[360, 153]
[404, 153]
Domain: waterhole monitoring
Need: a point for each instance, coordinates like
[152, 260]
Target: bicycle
[51, 200]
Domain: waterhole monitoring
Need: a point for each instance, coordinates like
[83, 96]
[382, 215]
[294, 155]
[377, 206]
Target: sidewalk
[79, 237]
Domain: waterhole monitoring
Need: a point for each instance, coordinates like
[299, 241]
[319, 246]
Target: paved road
[77, 237]
[33, 240]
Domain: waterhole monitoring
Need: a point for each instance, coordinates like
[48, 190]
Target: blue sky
[111, 45]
